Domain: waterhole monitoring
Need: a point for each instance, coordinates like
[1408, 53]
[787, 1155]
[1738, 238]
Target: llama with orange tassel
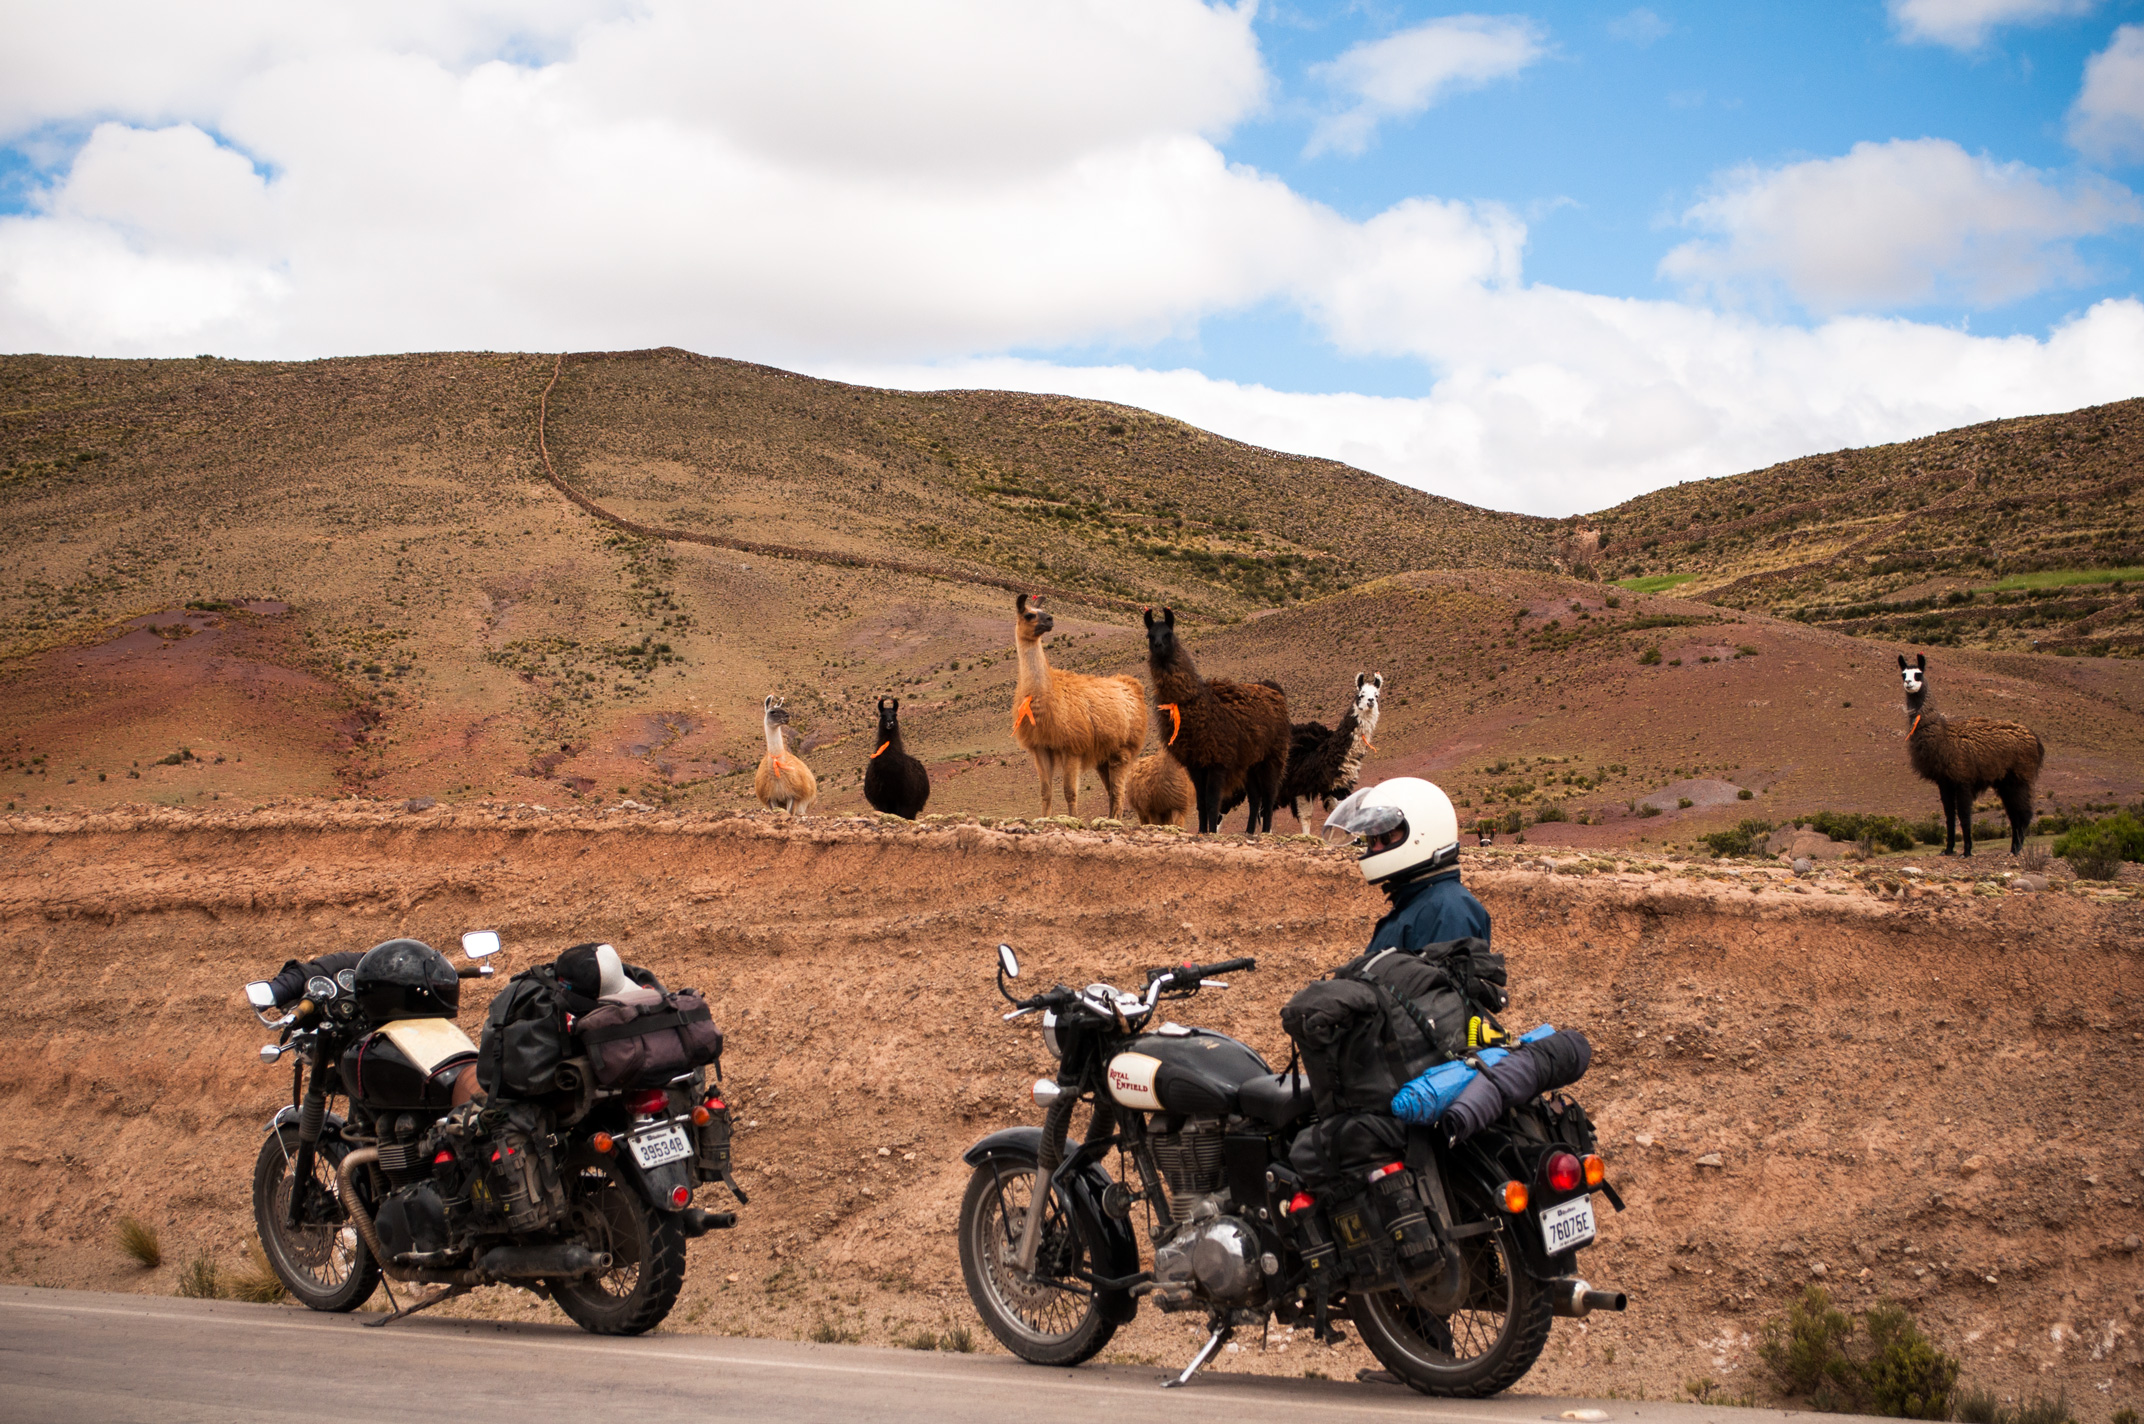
[783, 782]
[1069, 721]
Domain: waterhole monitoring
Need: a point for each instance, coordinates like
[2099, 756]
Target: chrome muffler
[1576, 1299]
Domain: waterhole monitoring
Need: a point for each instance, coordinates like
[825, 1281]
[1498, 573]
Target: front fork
[312, 1114]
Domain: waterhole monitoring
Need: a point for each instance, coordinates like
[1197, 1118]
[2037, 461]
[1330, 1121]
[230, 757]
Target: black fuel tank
[1198, 1069]
[379, 1074]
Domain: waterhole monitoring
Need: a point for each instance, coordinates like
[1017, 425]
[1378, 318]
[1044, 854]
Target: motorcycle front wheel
[322, 1261]
[1051, 1317]
[1482, 1348]
[646, 1249]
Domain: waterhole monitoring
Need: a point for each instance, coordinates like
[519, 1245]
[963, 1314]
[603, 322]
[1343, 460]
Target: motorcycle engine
[1214, 1260]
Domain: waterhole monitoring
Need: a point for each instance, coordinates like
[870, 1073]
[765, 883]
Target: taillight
[680, 1195]
[1514, 1197]
[1387, 1170]
[701, 1117]
[441, 1157]
[650, 1102]
[1596, 1170]
[1562, 1173]
[602, 1142]
[1300, 1202]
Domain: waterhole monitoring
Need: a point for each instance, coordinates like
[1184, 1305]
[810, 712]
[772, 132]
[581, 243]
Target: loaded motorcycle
[1452, 1262]
[581, 1194]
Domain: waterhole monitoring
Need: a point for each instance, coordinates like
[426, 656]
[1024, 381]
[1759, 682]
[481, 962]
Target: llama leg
[1071, 768]
[2017, 805]
[1115, 777]
[1967, 795]
[1950, 819]
[1206, 785]
[1046, 772]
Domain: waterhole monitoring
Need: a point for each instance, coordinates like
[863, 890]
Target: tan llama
[783, 782]
[1159, 792]
[1068, 721]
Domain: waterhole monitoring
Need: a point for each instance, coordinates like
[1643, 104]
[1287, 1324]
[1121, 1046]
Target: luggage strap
[647, 1024]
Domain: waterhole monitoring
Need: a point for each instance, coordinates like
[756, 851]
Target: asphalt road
[72, 1355]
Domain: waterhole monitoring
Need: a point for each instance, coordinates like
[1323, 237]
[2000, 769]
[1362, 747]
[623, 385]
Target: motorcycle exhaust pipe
[697, 1222]
[1576, 1299]
[523, 1262]
[359, 1217]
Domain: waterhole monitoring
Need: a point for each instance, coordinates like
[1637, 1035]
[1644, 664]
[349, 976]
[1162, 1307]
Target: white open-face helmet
[1405, 824]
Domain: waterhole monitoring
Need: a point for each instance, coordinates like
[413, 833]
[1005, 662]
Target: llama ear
[1019, 603]
[1921, 660]
[1168, 616]
[1901, 662]
[1147, 616]
[1360, 679]
[1377, 680]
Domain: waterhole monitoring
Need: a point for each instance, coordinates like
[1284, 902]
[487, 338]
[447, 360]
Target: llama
[783, 781]
[1223, 732]
[1964, 756]
[1159, 792]
[1069, 721]
[1324, 762]
[894, 781]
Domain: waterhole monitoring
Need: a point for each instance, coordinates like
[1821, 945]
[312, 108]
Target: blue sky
[1541, 257]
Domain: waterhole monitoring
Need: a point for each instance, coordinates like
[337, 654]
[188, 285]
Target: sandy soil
[1928, 1094]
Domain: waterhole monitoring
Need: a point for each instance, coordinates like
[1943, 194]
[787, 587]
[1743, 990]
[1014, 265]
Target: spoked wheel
[1482, 1347]
[322, 1260]
[1051, 1317]
[646, 1249]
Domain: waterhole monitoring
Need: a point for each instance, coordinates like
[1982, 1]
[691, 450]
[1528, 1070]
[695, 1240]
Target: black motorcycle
[582, 1196]
[1452, 1261]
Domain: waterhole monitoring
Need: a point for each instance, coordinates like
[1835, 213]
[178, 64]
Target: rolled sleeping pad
[1554, 1060]
[1424, 1098]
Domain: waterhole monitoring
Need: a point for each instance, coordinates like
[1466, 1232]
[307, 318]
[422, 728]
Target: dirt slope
[1908, 1098]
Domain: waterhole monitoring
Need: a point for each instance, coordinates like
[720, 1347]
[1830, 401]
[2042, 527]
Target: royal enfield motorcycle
[582, 1195]
[1451, 1261]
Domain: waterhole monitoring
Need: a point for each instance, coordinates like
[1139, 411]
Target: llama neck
[1177, 680]
[1918, 707]
[774, 738]
[1034, 669]
[891, 741]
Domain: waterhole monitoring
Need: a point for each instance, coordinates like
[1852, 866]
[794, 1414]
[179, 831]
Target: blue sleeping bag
[1424, 1099]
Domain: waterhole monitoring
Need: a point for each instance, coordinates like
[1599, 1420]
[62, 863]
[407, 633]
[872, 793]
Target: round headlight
[1049, 1034]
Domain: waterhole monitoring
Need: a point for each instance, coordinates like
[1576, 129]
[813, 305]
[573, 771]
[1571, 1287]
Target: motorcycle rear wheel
[323, 1263]
[1053, 1317]
[646, 1248]
[1482, 1348]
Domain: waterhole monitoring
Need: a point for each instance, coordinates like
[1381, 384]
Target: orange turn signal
[701, 1116]
[1596, 1170]
[1514, 1197]
[602, 1142]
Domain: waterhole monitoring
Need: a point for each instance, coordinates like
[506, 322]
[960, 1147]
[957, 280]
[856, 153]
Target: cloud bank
[1967, 24]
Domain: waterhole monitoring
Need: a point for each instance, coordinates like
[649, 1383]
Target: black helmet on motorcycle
[407, 979]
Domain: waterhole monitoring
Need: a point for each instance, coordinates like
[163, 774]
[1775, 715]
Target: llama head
[1030, 623]
[889, 717]
[1160, 634]
[1914, 674]
[1368, 685]
[772, 711]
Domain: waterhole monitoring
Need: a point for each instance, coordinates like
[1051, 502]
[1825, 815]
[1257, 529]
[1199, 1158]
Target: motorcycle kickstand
[416, 1305]
[1206, 1352]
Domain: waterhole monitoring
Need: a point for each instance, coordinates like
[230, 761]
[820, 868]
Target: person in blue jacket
[1410, 849]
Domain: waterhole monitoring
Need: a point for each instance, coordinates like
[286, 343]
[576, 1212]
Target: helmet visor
[1352, 819]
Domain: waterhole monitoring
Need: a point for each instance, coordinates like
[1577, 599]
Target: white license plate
[652, 1149]
[1567, 1224]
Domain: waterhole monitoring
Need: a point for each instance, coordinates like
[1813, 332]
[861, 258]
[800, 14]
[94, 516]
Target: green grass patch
[1654, 583]
[2066, 578]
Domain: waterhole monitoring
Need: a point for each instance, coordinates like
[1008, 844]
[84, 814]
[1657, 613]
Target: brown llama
[1222, 732]
[1160, 792]
[1069, 721]
[1325, 762]
[783, 782]
[1964, 756]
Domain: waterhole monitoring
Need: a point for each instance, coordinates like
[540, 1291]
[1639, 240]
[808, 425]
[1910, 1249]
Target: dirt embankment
[1934, 1100]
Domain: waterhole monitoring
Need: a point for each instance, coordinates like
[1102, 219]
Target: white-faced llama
[1324, 762]
[783, 782]
[1964, 756]
[895, 782]
[1069, 721]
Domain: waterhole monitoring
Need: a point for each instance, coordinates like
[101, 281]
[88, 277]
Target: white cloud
[1407, 72]
[2107, 120]
[1641, 27]
[1894, 225]
[1966, 24]
[321, 181]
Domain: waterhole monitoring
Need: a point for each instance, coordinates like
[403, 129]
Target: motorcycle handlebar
[1192, 973]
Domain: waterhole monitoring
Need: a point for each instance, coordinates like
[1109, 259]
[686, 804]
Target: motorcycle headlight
[1049, 1035]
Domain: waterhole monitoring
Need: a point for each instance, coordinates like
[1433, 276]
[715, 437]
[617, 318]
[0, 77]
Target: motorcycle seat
[1276, 1099]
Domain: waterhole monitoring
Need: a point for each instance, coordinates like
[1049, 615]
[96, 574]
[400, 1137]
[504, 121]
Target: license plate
[1567, 1224]
[652, 1149]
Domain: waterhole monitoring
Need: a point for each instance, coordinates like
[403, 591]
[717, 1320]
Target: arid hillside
[1925, 1094]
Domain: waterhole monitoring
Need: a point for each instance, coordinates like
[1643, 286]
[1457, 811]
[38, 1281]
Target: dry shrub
[200, 1280]
[139, 1240]
[1896, 1371]
[256, 1281]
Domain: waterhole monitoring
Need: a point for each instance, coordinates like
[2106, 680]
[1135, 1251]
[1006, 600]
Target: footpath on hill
[1928, 1095]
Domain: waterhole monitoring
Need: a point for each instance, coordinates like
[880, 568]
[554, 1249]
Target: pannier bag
[524, 1037]
[499, 1173]
[649, 1038]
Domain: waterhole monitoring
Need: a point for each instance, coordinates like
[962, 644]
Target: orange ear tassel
[1176, 719]
[1025, 709]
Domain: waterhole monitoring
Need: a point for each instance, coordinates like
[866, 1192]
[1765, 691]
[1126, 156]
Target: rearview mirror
[261, 994]
[1008, 961]
[480, 944]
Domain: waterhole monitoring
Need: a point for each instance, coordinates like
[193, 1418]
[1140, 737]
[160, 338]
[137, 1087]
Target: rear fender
[1475, 1177]
[1079, 1187]
[655, 1184]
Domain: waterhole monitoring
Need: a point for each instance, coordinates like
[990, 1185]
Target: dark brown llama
[1222, 732]
[895, 782]
[1964, 756]
[1324, 762]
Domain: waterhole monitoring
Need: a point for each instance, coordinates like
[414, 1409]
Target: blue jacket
[1431, 910]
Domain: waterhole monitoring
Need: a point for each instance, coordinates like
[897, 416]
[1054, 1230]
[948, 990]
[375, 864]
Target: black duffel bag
[647, 1043]
[524, 1037]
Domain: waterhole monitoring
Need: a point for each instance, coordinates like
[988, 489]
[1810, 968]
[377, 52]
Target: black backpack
[524, 1037]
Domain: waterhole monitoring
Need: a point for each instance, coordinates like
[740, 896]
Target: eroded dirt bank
[1934, 1099]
